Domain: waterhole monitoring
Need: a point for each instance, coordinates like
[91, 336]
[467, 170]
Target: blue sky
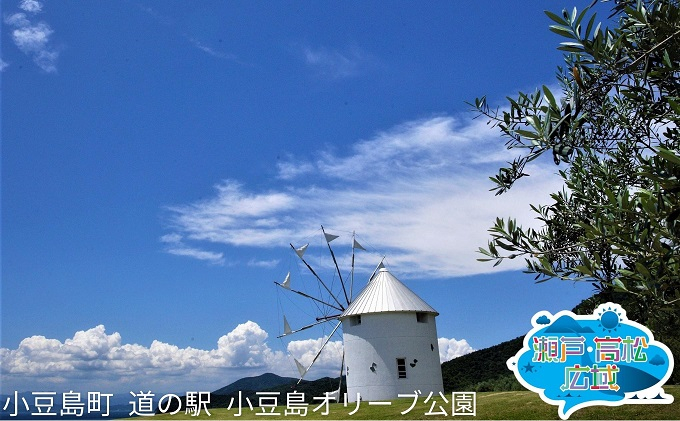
[159, 156]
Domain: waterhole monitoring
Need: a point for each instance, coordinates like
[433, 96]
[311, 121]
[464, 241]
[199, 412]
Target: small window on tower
[421, 317]
[401, 367]
[355, 320]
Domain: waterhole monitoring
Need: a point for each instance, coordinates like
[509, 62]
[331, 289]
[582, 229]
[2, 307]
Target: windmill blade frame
[323, 301]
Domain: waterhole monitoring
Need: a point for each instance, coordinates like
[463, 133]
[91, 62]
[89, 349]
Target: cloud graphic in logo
[577, 361]
[657, 360]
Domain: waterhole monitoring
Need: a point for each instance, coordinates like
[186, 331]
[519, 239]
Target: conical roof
[385, 293]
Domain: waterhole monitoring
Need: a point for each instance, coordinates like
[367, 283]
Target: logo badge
[577, 361]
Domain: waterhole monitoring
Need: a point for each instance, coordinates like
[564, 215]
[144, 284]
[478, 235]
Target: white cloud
[453, 348]
[95, 359]
[418, 193]
[337, 64]
[18, 20]
[289, 171]
[200, 45]
[264, 263]
[211, 51]
[175, 245]
[33, 39]
[329, 360]
[210, 256]
[3, 65]
[32, 6]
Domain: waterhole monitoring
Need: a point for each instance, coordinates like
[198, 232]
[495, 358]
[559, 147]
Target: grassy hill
[483, 370]
[268, 382]
[261, 382]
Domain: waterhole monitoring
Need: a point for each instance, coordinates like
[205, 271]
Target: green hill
[310, 388]
[483, 370]
[268, 382]
[261, 382]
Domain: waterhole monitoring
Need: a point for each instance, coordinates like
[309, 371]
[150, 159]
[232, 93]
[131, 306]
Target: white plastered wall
[377, 342]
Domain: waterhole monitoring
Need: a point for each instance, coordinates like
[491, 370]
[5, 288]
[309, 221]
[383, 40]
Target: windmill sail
[301, 251]
[329, 238]
[301, 368]
[290, 332]
[286, 327]
[355, 245]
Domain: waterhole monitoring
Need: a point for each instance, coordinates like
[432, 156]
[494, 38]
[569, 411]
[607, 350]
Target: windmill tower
[390, 340]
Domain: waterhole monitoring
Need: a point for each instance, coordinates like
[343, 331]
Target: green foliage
[614, 133]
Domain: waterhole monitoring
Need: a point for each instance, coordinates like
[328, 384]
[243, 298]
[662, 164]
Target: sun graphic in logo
[609, 320]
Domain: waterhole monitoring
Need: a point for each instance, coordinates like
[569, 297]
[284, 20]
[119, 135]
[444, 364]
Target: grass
[490, 405]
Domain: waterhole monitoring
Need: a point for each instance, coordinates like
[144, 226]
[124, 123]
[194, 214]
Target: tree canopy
[613, 133]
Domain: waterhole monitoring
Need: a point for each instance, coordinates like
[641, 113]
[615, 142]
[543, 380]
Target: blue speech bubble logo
[577, 361]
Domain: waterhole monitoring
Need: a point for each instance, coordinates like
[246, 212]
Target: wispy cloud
[211, 51]
[94, 359]
[197, 43]
[3, 65]
[264, 263]
[32, 38]
[418, 192]
[337, 64]
[175, 245]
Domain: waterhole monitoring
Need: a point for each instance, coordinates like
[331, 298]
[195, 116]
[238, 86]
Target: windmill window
[401, 367]
[355, 320]
[421, 317]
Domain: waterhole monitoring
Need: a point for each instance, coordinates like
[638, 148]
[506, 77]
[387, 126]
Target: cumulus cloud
[329, 359]
[453, 348]
[418, 192]
[33, 38]
[96, 358]
[99, 360]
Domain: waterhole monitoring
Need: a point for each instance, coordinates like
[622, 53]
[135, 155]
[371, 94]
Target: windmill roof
[385, 293]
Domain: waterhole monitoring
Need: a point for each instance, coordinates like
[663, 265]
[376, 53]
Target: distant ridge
[268, 382]
[255, 383]
[483, 370]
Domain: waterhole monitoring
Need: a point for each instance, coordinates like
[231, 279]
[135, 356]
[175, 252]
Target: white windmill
[390, 342]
